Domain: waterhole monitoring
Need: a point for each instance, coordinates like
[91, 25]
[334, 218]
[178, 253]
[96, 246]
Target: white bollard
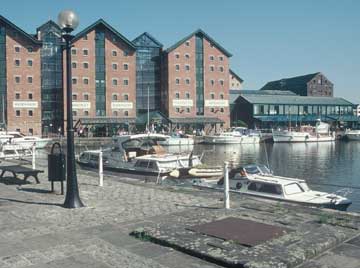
[33, 156]
[226, 186]
[101, 171]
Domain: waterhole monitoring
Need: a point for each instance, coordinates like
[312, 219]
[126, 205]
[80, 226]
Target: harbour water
[322, 165]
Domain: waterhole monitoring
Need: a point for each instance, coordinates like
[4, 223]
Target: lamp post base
[73, 202]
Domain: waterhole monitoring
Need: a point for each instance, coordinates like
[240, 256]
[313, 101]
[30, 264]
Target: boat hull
[231, 140]
[176, 142]
[291, 137]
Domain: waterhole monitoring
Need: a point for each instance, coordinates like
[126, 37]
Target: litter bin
[56, 166]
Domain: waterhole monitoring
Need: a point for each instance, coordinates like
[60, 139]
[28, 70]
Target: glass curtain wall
[199, 62]
[52, 100]
[2, 76]
[100, 89]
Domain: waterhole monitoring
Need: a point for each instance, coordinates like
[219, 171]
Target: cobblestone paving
[36, 231]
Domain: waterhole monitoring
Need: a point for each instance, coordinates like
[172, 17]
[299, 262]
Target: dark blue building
[148, 73]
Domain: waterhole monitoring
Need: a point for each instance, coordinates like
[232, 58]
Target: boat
[137, 154]
[259, 181]
[13, 151]
[237, 135]
[176, 140]
[25, 141]
[319, 133]
[352, 134]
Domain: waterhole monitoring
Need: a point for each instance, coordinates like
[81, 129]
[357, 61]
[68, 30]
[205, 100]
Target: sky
[269, 40]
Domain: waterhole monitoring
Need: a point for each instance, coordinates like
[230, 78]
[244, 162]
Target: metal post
[101, 172]
[33, 156]
[148, 107]
[72, 198]
[226, 186]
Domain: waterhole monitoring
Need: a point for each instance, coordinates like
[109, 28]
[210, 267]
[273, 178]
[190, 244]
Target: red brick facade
[23, 83]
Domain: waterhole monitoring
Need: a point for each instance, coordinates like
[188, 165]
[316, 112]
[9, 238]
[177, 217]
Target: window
[30, 79]
[126, 53]
[86, 81]
[17, 96]
[30, 49]
[212, 82]
[187, 95]
[212, 68]
[177, 110]
[177, 55]
[221, 69]
[212, 110]
[30, 113]
[31, 131]
[30, 63]
[86, 65]
[293, 188]
[126, 82]
[126, 97]
[86, 97]
[85, 37]
[74, 81]
[221, 110]
[17, 79]
[221, 82]
[17, 49]
[126, 66]
[126, 113]
[74, 113]
[187, 56]
[73, 51]
[221, 96]
[177, 81]
[188, 110]
[17, 112]
[30, 96]
[17, 63]
[211, 58]
[177, 95]
[187, 81]
[114, 53]
[114, 97]
[86, 113]
[85, 52]
[114, 66]
[114, 82]
[221, 58]
[73, 65]
[74, 97]
[115, 113]
[177, 67]
[212, 96]
[187, 43]
[187, 67]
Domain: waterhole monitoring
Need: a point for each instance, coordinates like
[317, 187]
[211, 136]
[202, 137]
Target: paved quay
[37, 232]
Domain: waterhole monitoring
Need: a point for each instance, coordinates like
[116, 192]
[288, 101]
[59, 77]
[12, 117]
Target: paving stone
[180, 260]
[120, 239]
[149, 250]
[348, 250]
[355, 241]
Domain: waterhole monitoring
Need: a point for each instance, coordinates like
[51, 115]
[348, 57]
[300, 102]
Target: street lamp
[68, 21]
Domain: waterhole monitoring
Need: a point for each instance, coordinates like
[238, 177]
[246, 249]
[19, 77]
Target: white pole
[226, 186]
[33, 156]
[101, 172]
[148, 107]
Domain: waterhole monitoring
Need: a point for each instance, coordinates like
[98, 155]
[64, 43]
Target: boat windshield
[260, 169]
[293, 188]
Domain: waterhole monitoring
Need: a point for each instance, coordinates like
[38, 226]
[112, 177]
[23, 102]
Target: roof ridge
[31, 37]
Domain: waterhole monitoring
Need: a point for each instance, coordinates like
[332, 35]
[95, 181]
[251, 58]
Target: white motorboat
[138, 154]
[13, 151]
[236, 136]
[176, 140]
[319, 133]
[25, 141]
[258, 180]
[353, 135]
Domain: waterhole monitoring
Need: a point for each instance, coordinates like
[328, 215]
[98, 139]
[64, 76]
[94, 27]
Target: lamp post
[68, 21]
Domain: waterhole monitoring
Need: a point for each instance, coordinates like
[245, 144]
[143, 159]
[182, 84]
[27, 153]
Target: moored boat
[236, 136]
[353, 135]
[176, 140]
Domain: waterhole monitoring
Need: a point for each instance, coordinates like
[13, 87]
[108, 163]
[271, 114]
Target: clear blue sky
[269, 40]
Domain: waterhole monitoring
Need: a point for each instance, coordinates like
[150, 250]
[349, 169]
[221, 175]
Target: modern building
[357, 110]
[148, 73]
[52, 98]
[235, 81]
[315, 84]
[103, 78]
[20, 79]
[196, 83]
[261, 109]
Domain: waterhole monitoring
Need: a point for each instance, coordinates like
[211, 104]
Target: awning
[104, 121]
[154, 116]
[345, 118]
[293, 118]
[195, 120]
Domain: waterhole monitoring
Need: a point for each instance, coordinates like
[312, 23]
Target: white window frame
[85, 49]
[112, 66]
[27, 62]
[83, 80]
[19, 62]
[128, 66]
[83, 64]
[112, 81]
[88, 96]
[128, 81]
[32, 79]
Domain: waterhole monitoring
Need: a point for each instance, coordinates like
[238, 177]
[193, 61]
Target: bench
[17, 169]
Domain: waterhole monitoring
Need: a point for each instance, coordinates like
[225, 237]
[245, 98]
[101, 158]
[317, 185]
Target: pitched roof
[101, 22]
[266, 92]
[296, 84]
[51, 22]
[12, 25]
[294, 100]
[237, 77]
[137, 40]
[199, 32]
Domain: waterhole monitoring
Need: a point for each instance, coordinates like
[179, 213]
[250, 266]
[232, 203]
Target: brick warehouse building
[193, 82]
[196, 82]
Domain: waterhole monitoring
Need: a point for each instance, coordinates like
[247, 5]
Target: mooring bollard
[226, 186]
[101, 171]
[33, 156]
